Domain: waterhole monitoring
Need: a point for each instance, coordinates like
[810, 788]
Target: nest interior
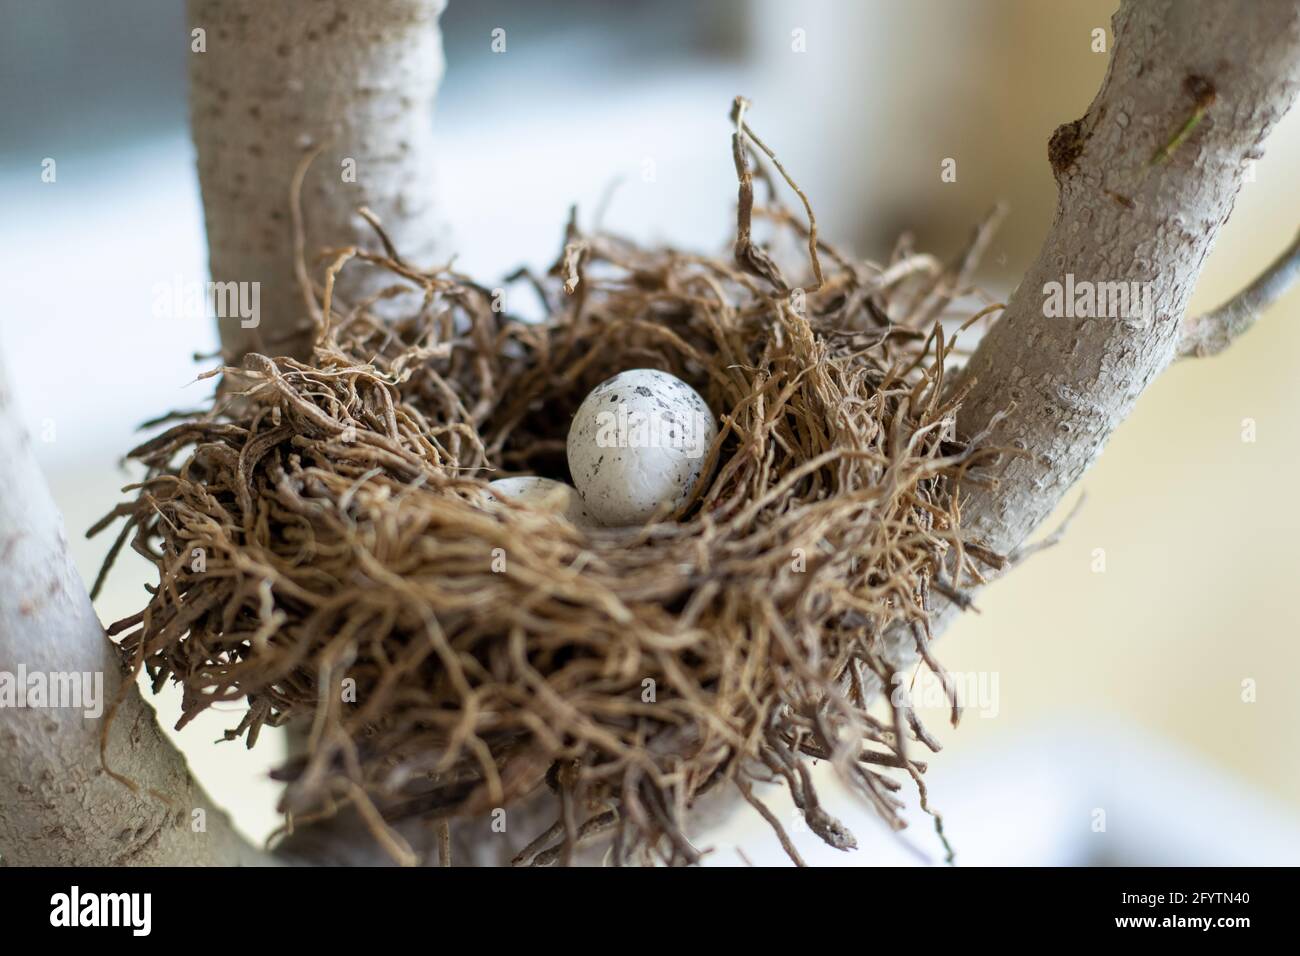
[326, 553]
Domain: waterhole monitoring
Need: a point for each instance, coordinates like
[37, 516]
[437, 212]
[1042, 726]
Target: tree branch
[275, 81]
[1211, 333]
[1146, 177]
[58, 804]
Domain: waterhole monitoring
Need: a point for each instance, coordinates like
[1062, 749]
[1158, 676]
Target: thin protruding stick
[1211, 333]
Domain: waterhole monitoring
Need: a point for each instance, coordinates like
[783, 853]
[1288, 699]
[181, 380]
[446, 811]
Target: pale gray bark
[1124, 216]
[58, 805]
[1211, 333]
[280, 79]
[1137, 203]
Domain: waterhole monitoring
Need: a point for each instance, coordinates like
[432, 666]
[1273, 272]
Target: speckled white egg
[638, 444]
[544, 494]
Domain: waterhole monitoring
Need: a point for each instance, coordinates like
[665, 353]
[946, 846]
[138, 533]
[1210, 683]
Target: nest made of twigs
[326, 552]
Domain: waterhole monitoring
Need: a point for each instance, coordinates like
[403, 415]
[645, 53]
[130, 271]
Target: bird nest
[327, 554]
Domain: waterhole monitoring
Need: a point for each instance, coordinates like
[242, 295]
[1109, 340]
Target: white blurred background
[1119, 691]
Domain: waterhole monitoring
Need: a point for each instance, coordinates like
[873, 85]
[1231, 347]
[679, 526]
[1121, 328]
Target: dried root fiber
[326, 552]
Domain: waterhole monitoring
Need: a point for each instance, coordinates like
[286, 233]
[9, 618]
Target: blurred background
[1135, 690]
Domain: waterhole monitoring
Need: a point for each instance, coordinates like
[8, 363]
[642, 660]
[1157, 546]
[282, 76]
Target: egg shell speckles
[545, 494]
[638, 443]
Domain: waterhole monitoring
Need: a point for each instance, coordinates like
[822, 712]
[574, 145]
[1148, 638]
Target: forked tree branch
[1211, 333]
[1146, 178]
